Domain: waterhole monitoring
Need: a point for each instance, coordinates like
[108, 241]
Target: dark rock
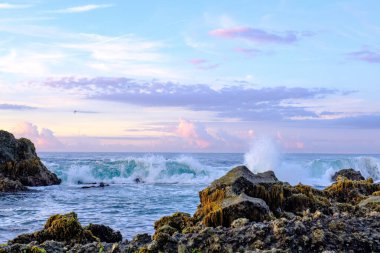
[101, 185]
[139, 241]
[19, 162]
[348, 174]
[104, 233]
[7, 185]
[138, 180]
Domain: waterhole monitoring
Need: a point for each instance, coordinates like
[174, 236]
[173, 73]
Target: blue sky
[204, 76]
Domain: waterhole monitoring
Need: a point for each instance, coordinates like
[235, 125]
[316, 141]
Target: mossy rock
[178, 221]
[64, 227]
[36, 249]
[163, 232]
[350, 191]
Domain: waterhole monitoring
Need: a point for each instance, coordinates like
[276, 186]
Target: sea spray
[263, 155]
[147, 168]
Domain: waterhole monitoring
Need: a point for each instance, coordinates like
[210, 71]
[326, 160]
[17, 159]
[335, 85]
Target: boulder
[19, 162]
[348, 174]
[7, 185]
[104, 233]
[242, 206]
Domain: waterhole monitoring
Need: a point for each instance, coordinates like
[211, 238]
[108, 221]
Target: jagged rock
[7, 185]
[104, 233]
[348, 174]
[19, 162]
[276, 195]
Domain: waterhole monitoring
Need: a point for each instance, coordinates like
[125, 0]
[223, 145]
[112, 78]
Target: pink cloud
[250, 52]
[290, 144]
[365, 55]
[197, 61]
[256, 35]
[203, 64]
[193, 133]
[43, 139]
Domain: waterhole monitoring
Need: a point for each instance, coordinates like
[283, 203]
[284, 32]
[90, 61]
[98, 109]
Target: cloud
[197, 61]
[365, 55]
[240, 102]
[84, 112]
[78, 53]
[13, 6]
[15, 107]
[257, 35]
[249, 52]
[84, 8]
[203, 64]
[194, 134]
[43, 139]
[367, 121]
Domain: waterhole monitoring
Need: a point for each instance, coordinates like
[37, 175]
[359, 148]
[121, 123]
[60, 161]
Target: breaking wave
[149, 169]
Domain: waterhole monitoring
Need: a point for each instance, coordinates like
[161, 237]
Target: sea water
[168, 183]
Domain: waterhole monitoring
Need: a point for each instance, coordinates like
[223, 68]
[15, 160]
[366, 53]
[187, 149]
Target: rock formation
[20, 165]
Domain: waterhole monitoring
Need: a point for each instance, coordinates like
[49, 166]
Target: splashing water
[263, 155]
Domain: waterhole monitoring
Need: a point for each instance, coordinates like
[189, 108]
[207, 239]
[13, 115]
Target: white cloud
[13, 6]
[84, 8]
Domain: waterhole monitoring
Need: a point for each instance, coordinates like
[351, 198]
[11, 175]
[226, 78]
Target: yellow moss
[352, 191]
[64, 227]
[273, 195]
[36, 249]
[376, 193]
[211, 207]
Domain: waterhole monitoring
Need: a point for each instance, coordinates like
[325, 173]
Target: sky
[191, 76]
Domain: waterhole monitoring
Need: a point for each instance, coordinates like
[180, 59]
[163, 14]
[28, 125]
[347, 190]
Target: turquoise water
[171, 183]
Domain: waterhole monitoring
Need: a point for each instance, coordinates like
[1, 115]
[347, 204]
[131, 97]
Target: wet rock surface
[350, 174]
[20, 166]
[240, 212]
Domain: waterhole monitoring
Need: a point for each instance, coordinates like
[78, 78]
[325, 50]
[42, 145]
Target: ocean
[170, 182]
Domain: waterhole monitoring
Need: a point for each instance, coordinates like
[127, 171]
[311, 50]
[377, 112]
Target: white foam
[263, 155]
[149, 168]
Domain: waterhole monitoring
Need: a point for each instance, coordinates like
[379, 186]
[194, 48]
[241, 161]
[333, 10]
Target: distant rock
[20, 163]
[348, 174]
[100, 185]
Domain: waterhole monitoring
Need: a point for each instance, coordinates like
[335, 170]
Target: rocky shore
[239, 212]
